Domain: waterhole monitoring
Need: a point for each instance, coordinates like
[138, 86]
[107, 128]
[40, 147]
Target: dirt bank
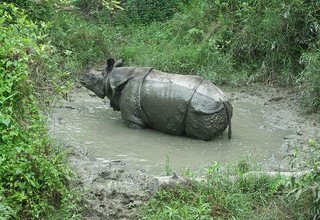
[112, 191]
[115, 191]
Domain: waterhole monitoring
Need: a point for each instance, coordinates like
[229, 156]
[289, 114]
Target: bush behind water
[39, 10]
[277, 42]
[254, 41]
[310, 80]
[79, 42]
[150, 10]
[136, 11]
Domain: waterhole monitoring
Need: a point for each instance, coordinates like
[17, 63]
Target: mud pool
[88, 122]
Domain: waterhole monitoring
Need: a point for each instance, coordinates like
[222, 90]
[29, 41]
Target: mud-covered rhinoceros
[171, 103]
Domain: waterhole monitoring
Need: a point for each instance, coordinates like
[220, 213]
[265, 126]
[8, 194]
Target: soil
[114, 191]
[111, 190]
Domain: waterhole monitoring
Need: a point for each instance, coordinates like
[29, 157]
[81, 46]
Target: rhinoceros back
[164, 100]
[175, 104]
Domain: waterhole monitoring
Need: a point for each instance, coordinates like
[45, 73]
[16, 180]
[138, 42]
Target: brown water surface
[90, 123]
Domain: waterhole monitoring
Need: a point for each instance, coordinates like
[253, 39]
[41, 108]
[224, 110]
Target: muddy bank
[283, 111]
[115, 190]
[112, 191]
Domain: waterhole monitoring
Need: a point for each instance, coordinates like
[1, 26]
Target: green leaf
[19, 149]
[5, 121]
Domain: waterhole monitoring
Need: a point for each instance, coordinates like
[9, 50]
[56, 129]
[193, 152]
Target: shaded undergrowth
[231, 192]
[35, 181]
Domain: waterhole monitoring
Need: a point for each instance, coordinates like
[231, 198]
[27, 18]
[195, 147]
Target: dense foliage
[276, 41]
[230, 193]
[38, 10]
[147, 11]
[33, 178]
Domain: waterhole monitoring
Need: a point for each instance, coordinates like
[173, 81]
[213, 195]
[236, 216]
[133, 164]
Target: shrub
[79, 41]
[34, 178]
[97, 9]
[147, 11]
[266, 37]
[311, 80]
[39, 10]
[150, 10]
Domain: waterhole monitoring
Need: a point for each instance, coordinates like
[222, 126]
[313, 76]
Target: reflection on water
[103, 134]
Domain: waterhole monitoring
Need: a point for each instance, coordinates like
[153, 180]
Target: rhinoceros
[171, 103]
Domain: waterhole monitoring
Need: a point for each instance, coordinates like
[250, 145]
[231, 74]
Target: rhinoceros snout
[94, 82]
[87, 79]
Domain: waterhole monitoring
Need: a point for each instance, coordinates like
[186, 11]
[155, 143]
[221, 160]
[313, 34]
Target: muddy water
[90, 123]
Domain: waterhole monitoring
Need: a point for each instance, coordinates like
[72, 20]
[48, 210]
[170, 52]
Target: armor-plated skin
[170, 103]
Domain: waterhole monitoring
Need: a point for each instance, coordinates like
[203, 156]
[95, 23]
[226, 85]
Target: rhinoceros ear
[110, 64]
[119, 63]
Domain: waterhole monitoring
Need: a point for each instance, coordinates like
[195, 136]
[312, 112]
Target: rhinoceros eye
[94, 77]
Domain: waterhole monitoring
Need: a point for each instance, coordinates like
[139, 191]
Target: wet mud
[112, 191]
[116, 187]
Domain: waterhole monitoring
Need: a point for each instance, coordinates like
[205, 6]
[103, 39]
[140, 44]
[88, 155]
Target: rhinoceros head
[94, 81]
[98, 81]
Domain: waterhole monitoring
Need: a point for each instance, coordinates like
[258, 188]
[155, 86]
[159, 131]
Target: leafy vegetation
[93, 47]
[147, 11]
[34, 177]
[230, 193]
[38, 10]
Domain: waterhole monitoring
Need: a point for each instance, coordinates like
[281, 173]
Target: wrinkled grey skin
[171, 103]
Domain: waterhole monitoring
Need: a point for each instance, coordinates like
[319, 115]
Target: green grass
[153, 45]
[226, 193]
[217, 197]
